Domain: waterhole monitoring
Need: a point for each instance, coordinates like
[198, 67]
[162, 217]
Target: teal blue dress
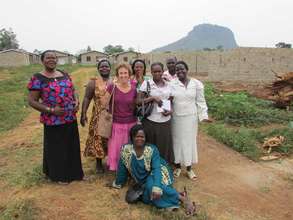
[151, 171]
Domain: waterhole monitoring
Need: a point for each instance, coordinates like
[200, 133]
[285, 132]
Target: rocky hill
[203, 36]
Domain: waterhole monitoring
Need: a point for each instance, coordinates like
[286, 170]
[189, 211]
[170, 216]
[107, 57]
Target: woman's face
[138, 68]
[104, 69]
[50, 60]
[123, 75]
[181, 71]
[157, 72]
[139, 138]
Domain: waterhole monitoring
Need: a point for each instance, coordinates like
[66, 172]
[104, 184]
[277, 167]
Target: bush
[240, 109]
[242, 140]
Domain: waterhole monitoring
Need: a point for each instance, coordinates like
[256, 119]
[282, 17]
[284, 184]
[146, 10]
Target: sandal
[177, 172]
[191, 175]
[190, 207]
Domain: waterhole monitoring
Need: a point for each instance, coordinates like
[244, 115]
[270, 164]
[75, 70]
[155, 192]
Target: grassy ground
[13, 93]
[240, 121]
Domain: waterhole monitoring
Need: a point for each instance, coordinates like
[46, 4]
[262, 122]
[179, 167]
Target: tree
[8, 39]
[110, 49]
[220, 48]
[283, 45]
[130, 49]
[88, 49]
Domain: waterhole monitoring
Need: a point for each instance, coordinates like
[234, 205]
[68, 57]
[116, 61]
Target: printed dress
[61, 156]
[151, 171]
[95, 144]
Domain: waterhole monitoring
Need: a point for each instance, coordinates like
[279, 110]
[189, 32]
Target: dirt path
[229, 187]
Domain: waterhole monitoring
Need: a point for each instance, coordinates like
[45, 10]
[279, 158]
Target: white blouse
[163, 93]
[190, 100]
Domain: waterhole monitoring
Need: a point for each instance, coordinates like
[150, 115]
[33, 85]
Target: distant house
[17, 57]
[126, 57]
[65, 58]
[92, 57]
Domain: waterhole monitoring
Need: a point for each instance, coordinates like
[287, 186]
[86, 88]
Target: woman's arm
[202, 108]
[89, 94]
[121, 175]
[156, 170]
[33, 101]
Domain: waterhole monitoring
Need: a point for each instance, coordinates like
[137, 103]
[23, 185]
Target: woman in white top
[158, 125]
[189, 107]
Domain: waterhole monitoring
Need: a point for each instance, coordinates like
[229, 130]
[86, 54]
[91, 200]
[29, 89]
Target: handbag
[134, 193]
[145, 109]
[106, 118]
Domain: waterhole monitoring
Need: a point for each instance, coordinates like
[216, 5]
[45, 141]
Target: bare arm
[89, 94]
[33, 101]
[141, 98]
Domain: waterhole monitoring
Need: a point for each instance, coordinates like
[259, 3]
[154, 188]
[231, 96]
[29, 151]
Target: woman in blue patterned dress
[51, 92]
[143, 162]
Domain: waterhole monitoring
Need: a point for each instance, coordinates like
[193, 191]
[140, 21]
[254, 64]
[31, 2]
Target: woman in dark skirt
[61, 158]
[157, 126]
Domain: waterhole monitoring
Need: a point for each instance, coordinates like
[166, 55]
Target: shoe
[177, 172]
[191, 175]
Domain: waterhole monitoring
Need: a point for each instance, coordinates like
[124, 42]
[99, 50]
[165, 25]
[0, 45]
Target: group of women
[144, 147]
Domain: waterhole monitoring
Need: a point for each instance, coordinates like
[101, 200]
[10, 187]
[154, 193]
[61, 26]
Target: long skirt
[160, 135]
[61, 157]
[119, 137]
[184, 130]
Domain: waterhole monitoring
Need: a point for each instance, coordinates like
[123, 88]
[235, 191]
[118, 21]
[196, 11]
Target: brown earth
[229, 186]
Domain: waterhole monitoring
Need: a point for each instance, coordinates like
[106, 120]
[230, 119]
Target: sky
[72, 25]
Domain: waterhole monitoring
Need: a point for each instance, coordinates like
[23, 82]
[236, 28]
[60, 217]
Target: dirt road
[229, 186]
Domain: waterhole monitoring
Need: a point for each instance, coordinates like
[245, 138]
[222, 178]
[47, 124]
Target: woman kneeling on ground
[151, 174]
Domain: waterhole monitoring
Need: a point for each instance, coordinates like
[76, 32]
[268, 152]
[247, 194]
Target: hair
[101, 61]
[44, 54]
[138, 60]
[174, 57]
[124, 65]
[134, 130]
[157, 63]
[183, 63]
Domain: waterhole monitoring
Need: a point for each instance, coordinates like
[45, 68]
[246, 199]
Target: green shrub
[240, 109]
[242, 140]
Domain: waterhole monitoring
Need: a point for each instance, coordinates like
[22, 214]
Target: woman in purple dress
[123, 113]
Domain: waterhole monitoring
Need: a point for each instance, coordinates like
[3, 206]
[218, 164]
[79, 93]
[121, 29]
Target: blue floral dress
[151, 171]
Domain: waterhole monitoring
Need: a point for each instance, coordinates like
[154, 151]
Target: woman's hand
[58, 111]
[208, 120]
[167, 113]
[83, 120]
[155, 195]
[76, 106]
[157, 100]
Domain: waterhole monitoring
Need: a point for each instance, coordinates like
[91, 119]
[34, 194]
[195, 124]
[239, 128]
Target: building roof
[93, 51]
[18, 51]
[120, 53]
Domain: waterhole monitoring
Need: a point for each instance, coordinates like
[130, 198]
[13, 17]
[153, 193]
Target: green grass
[242, 139]
[241, 109]
[13, 93]
[19, 210]
[239, 119]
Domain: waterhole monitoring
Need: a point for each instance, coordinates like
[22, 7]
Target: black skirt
[160, 135]
[61, 159]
